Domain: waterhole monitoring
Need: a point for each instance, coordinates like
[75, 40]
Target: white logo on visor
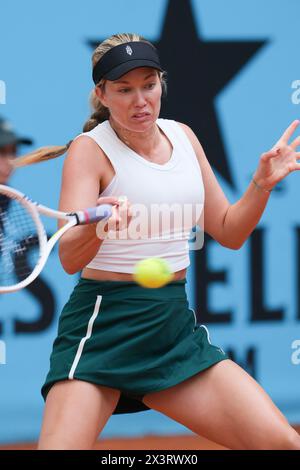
[129, 50]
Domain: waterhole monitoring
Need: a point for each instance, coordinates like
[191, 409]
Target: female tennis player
[123, 348]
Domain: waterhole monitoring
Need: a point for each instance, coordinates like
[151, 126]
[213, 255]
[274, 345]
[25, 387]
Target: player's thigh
[227, 406]
[75, 413]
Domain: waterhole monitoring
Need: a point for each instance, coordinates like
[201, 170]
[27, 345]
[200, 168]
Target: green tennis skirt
[137, 340]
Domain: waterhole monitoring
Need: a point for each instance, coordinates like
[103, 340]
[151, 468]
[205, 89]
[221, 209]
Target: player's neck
[143, 143]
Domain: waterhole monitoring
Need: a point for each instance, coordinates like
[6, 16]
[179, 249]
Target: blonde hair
[99, 112]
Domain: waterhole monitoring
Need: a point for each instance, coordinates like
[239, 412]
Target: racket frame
[45, 245]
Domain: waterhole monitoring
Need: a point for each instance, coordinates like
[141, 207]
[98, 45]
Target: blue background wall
[45, 64]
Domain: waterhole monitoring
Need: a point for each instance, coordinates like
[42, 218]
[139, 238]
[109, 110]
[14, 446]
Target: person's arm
[80, 189]
[232, 224]
[243, 216]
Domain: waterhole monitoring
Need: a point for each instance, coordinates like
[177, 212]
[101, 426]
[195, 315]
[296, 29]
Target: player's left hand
[281, 160]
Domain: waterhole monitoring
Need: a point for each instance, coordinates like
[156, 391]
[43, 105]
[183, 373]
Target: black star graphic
[197, 72]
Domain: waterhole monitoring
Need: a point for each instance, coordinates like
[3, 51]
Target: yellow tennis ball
[152, 272]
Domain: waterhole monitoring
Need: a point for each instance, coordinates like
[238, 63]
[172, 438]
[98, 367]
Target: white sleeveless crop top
[167, 201]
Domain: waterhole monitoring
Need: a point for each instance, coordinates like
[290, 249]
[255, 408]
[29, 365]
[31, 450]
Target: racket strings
[19, 242]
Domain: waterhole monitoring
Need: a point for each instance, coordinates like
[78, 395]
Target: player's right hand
[120, 218]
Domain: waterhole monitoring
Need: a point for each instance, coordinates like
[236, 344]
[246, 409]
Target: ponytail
[41, 155]
[100, 114]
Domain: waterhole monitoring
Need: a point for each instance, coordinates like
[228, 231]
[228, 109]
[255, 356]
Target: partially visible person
[9, 146]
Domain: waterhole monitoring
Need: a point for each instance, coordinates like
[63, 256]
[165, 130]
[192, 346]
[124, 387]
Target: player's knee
[61, 441]
[293, 440]
[288, 439]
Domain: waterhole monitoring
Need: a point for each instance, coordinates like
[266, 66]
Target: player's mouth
[141, 116]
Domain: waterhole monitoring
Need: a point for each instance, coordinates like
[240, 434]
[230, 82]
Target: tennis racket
[24, 245]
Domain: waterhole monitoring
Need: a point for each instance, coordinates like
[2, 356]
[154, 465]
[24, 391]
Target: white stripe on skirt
[86, 337]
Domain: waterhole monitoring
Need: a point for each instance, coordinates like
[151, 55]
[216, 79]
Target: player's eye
[150, 86]
[124, 90]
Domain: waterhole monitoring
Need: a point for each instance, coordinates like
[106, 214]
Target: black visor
[125, 57]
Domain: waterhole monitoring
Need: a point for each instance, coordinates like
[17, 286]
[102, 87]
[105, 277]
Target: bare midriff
[99, 275]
